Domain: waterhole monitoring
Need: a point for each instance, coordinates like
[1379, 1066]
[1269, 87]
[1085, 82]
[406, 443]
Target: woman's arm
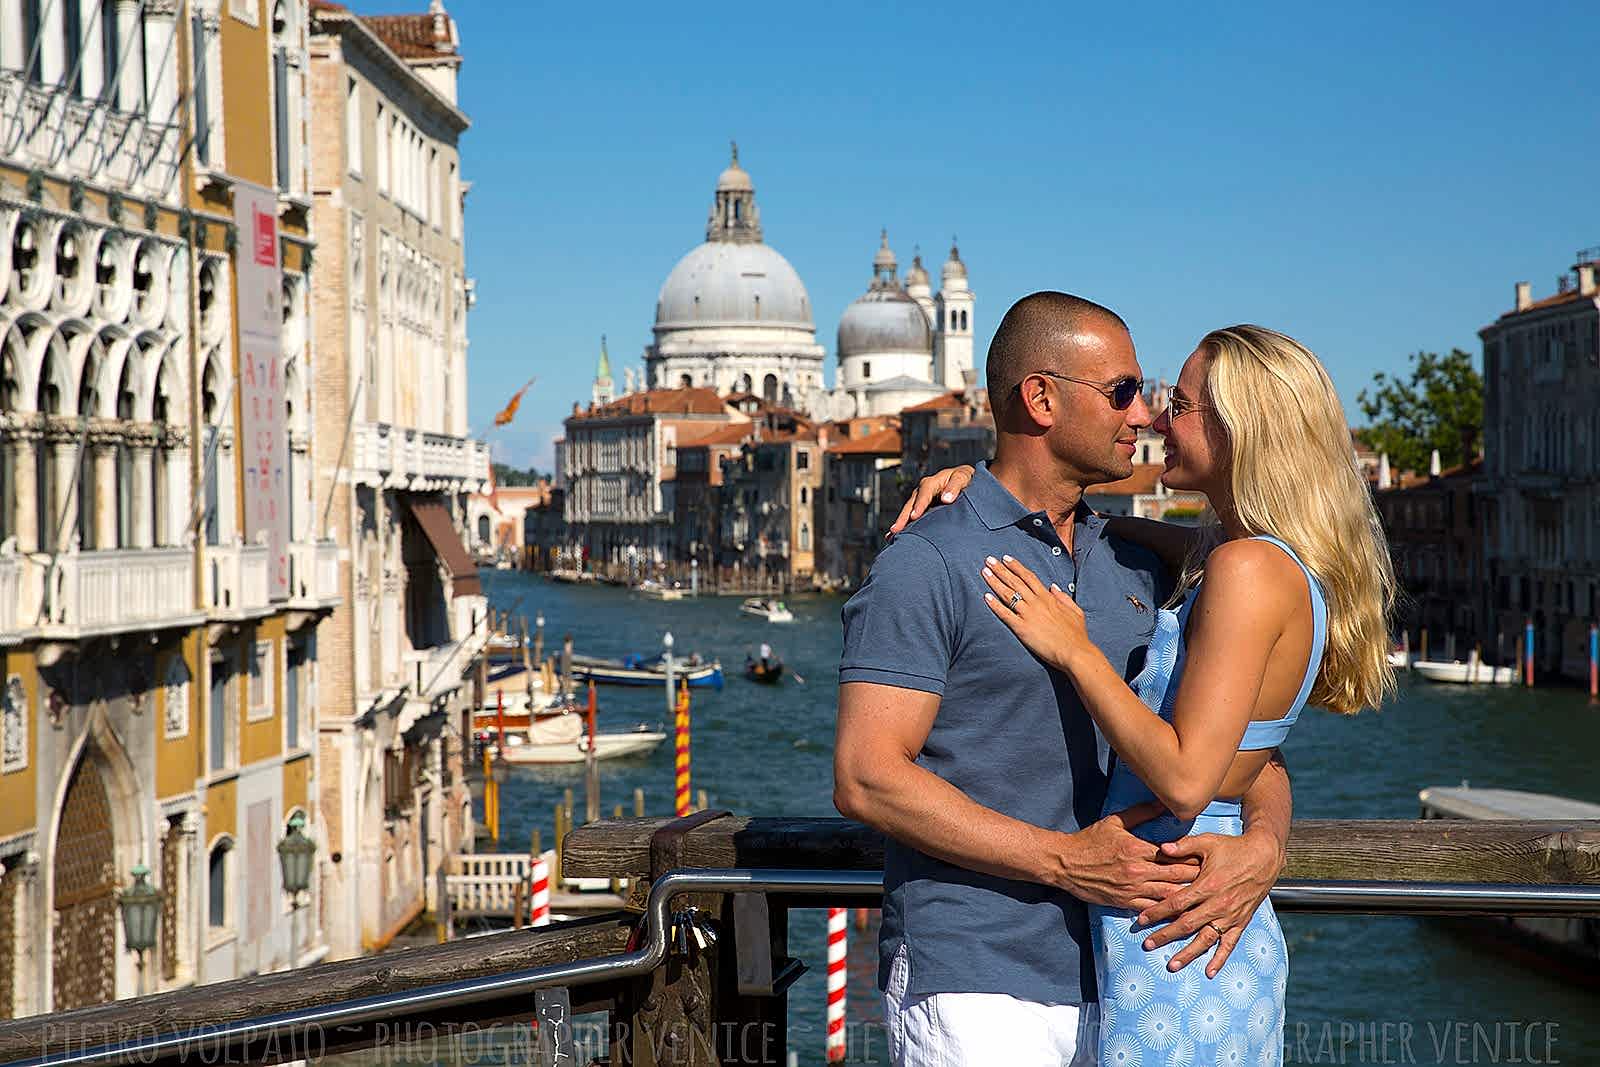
[1240, 613]
[1168, 540]
[940, 487]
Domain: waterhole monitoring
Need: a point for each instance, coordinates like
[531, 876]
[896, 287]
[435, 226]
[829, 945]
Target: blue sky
[1369, 178]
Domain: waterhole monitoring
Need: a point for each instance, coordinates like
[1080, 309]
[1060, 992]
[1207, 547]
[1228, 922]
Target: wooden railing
[725, 1002]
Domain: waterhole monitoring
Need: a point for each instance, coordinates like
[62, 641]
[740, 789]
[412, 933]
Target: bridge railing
[695, 969]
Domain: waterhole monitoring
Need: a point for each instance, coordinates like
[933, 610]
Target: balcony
[435, 672]
[88, 593]
[313, 574]
[55, 131]
[395, 457]
[236, 579]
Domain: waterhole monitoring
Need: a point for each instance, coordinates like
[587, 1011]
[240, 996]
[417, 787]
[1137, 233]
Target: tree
[1439, 406]
[507, 476]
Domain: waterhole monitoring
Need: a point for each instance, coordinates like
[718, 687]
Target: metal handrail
[1388, 898]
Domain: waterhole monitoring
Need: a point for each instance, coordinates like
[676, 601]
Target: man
[981, 765]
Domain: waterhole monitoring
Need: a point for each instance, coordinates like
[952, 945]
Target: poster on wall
[263, 437]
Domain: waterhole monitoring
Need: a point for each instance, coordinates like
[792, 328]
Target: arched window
[483, 529]
[963, 320]
[769, 388]
[953, 318]
[758, 305]
[219, 868]
[125, 487]
[685, 381]
[805, 538]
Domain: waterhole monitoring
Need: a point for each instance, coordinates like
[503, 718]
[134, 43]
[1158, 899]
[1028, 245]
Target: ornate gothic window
[16, 726]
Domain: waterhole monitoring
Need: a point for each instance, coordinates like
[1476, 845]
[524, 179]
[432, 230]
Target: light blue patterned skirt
[1150, 1017]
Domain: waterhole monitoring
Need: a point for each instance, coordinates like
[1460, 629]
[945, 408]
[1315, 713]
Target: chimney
[1524, 296]
[1586, 279]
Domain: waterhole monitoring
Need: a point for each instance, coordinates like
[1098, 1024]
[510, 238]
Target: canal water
[1361, 989]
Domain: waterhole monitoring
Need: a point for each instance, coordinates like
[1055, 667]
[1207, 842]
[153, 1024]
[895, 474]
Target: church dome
[723, 282]
[884, 319]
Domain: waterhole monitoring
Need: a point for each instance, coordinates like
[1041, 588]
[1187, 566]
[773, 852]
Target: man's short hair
[1029, 330]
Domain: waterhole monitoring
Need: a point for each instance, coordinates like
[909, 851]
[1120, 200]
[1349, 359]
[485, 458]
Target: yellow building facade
[159, 646]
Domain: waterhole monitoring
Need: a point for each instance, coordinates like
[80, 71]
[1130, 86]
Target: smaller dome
[735, 179]
[917, 275]
[884, 260]
[953, 267]
[884, 321]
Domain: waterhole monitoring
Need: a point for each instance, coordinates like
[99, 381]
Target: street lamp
[141, 914]
[295, 852]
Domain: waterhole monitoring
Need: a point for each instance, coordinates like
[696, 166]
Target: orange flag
[509, 412]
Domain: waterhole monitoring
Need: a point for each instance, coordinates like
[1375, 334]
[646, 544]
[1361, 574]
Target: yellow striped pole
[682, 763]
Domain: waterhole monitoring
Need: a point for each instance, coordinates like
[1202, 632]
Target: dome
[723, 282]
[882, 321]
[917, 275]
[733, 180]
[953, 267]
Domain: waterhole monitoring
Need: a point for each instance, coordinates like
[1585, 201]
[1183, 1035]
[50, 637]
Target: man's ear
[1038, 402]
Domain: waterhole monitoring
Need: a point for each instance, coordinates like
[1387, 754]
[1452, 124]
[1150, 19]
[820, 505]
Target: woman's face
[1197, 452]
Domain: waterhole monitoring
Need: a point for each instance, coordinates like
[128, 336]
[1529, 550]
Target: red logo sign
[266, 239]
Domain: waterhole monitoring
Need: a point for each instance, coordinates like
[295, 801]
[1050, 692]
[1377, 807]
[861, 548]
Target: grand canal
[1361, 990]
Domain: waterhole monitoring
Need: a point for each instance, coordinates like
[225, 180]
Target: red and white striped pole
[836, 975]
[539, 908]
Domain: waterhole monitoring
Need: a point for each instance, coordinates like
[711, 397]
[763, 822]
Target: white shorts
[962, 1029]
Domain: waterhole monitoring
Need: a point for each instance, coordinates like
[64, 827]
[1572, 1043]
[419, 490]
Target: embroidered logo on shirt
[1138, 605]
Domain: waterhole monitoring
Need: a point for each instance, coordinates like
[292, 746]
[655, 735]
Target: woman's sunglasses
[1122, 392]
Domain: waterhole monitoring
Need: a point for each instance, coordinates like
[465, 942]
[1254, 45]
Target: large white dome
[733, 283]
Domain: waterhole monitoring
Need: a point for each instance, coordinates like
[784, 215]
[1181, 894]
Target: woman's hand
[1048, 621]
[945, 485]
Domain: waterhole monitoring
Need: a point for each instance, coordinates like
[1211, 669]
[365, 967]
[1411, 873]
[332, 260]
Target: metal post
[591, 771]
[666, 662]
[1594, 663]
[1527, 648]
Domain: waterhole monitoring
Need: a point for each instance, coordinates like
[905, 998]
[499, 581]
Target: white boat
[659, 591]
[1567, 944]
[768, 608]
[561, 739]
[1472, 672]
[1399, 659]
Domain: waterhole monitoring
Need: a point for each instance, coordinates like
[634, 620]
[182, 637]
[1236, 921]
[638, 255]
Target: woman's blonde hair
[1294, 476]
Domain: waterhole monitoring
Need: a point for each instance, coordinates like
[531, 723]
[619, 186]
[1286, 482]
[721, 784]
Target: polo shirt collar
[997, 508]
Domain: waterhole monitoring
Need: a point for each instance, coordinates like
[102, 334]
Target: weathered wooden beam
[1434, 850]
[396, 971]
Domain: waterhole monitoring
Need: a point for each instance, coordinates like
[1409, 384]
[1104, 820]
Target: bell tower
[952, 333]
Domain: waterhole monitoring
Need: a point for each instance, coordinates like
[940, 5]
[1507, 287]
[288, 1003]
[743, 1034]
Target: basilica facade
[734, 316]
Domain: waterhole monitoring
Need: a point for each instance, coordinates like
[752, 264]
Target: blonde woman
[1283, 601]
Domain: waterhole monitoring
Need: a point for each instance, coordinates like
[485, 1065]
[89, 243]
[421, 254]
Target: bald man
[979, 763]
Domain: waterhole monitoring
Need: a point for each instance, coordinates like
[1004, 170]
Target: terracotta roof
[1571, 296]
[1142, 480]
[327, 5]
[717, 435]
[695, 401]
[884, 442]
[412, 36]
[938, 403]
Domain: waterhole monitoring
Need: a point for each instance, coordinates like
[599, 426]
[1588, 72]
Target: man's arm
[1236, 873]
[877, 781]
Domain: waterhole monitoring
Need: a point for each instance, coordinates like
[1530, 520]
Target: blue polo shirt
[1010, 733]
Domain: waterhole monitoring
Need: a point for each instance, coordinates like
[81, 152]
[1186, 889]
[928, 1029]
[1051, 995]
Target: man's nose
[1139, 414]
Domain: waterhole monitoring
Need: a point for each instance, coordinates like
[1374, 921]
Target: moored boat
[561, 739]
[659, 590]
[1472, 672]
[769, 608]
[639, 670]
[1567, 944]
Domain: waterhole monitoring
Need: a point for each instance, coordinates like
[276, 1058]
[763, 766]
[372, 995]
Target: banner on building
[263, 438]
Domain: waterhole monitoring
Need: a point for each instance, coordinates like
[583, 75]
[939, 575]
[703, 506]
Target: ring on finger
[1016, 598]
[1219, 930]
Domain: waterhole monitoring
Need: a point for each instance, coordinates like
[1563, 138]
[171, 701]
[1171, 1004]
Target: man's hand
[1105, 864]
[1235, 875]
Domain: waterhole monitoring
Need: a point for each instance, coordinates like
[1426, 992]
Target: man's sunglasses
[1122, 392]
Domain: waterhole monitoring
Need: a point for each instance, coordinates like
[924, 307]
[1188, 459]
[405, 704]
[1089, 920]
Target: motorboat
[503, 648]
[640, 670]
[1399, 659]
[1473, 672]
[769, 608]
[561, 738]
[1567, 944]
[660, 590]
[767, 672]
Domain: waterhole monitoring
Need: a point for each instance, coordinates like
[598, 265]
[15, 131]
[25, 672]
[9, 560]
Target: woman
[1283, 600]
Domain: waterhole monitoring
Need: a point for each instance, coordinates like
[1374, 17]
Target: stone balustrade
[236, 580]
[313, 574]
[46, 128]
[119, 589]
[397, 457]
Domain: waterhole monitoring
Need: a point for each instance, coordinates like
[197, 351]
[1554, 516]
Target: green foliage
[510, 477]
[1439, 406]
[1183, 515]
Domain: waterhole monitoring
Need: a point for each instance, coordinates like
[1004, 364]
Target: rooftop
[948, 401]
[1141, 482]
[883, 443]
[692, 401]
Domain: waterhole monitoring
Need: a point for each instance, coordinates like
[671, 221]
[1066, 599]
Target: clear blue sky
[1369, 178]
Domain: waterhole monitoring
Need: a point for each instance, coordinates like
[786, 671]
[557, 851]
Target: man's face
[1091, 435]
